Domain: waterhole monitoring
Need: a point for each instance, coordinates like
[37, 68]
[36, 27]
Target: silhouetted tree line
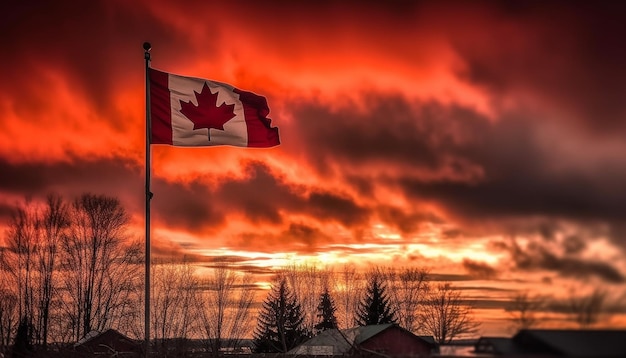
[396, 296]
[69, 268]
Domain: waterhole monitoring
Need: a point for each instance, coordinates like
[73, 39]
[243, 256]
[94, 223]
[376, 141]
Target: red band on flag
[160, 108]
[255, 109]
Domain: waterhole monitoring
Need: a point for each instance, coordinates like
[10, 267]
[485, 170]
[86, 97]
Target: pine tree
[375, 307]
[326, 313]
[279, 327]
[23, 339]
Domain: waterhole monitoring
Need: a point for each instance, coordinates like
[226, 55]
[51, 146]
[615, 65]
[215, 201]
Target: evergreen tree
[279, 327]
[375, 307]
[23, 339]
[326, 313]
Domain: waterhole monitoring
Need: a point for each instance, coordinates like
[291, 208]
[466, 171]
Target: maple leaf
[207, 114]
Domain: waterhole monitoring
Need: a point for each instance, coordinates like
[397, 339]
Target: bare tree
[98, 267]
[445, 315]
[523, 308]
[407, 288]
[175, 301]
[349, 288]
[131, 322]
[33, 238]
[67, 263]
[587, 310]
[8, 303]
[239, 322]
[53, 225]
[226, 308]
[22, 239]
[8, 317]
[307, 282]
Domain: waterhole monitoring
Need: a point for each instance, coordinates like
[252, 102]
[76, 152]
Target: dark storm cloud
[22, 178]
[172, 252]
[517, 170]
[227, 259]
[187, 206]
[538, 257]
[256, 196]
[478, 269]
[486, 303]
[572, 196]
[519, 180]
[444, 277]
[405, 220]
[529, 68]
[88, 45]
[332, 206]
[262, 198]
[298, 237]
[569, 58]
[265, 197]
[485, 289]
[233, 262]
[311, 236]
[256, 270]
[201, 208]
[574, 244]
[389, 130]
[72, 178]
[259, 195]
[387, 133]
[6, 212]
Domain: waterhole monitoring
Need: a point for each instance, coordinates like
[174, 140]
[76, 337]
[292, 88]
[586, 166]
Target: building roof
[339, 342]
[557, 342]
[107, 341]
[87, 338]
[576, 343]
[429, 339]
[367, 332]
[496, 345]
[334, 341]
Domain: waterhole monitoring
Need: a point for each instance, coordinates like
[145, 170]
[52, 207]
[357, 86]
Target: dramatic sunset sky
[484, 141]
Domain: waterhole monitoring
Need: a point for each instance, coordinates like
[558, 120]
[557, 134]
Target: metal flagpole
[147, 47]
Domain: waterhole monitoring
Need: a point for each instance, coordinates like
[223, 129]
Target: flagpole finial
[147, 47]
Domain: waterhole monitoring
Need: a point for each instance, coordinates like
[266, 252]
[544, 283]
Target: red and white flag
[194, 112]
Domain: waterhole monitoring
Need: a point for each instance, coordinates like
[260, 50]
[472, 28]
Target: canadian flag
[194, 112]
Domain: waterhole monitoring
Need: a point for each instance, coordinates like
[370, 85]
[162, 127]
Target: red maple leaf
[207, 114]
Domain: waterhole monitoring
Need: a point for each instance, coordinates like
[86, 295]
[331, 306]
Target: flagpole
[147, 47]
